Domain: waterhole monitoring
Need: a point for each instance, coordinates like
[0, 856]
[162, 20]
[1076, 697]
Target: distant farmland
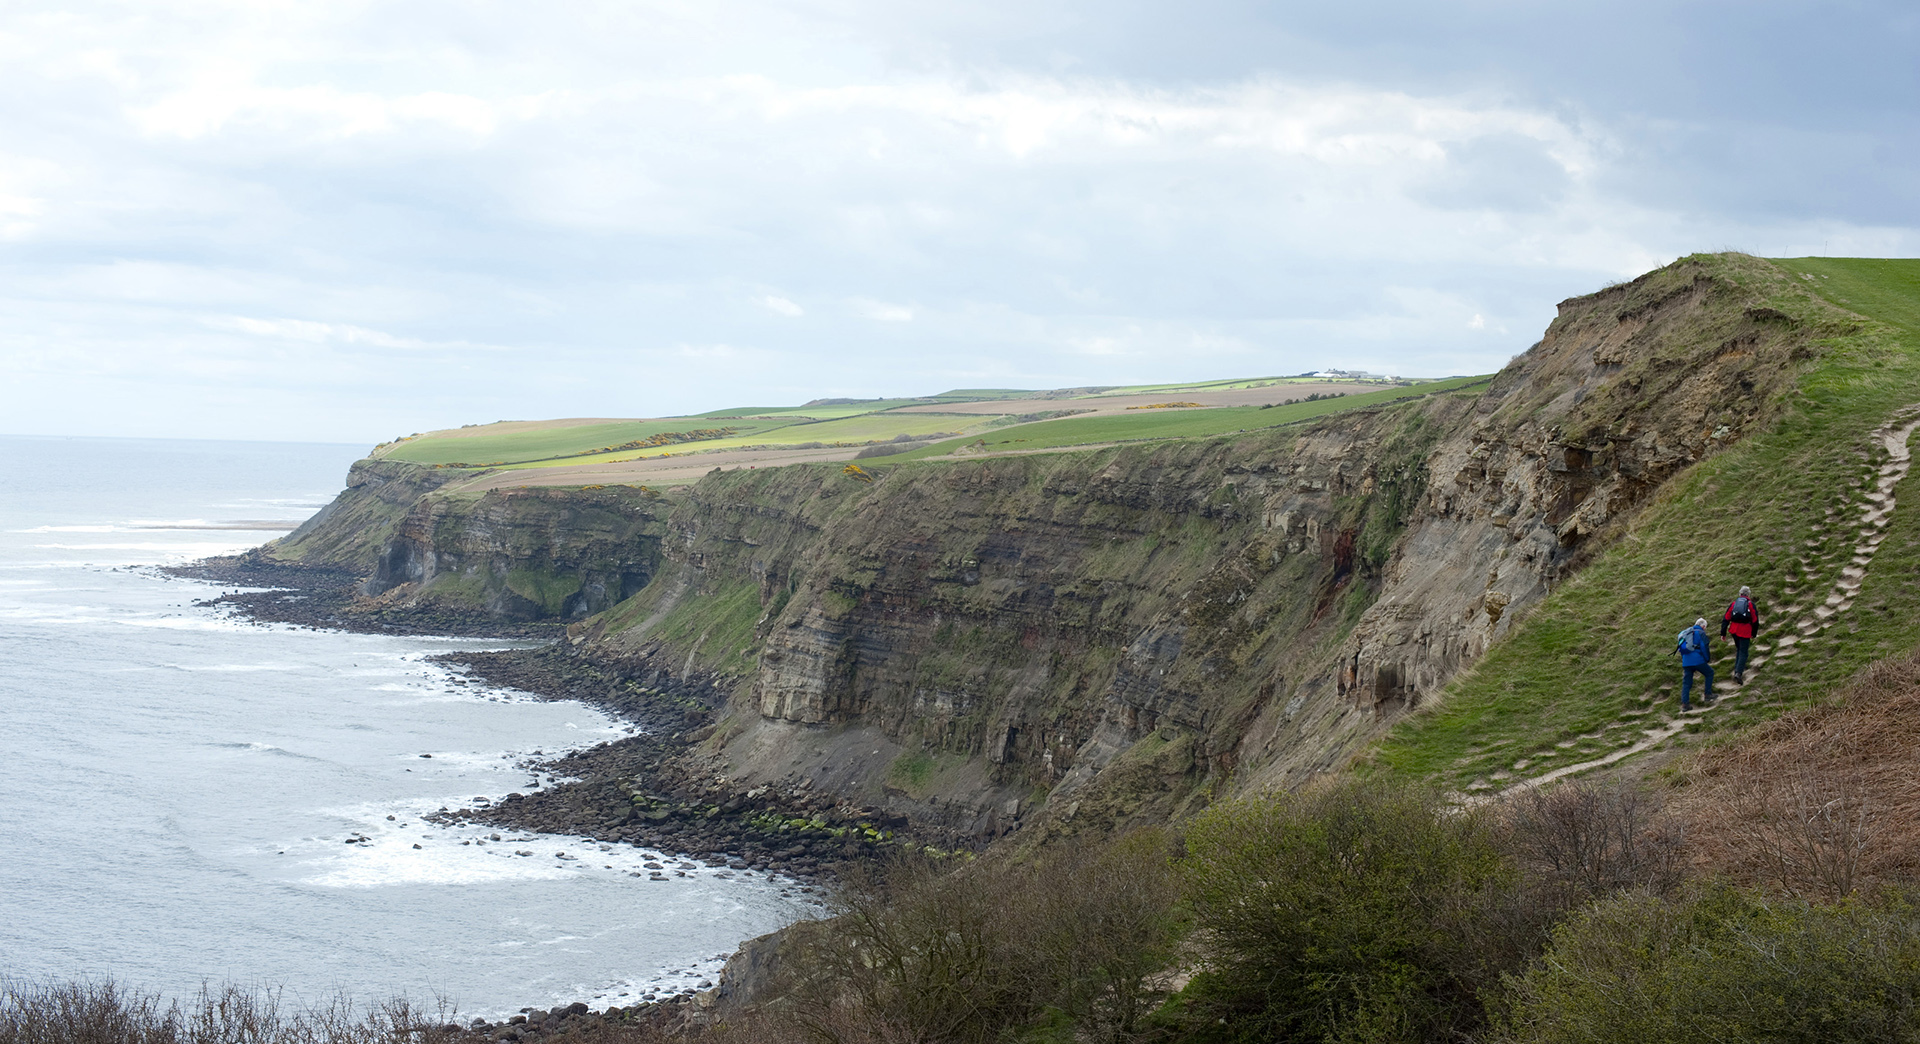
[965, 422]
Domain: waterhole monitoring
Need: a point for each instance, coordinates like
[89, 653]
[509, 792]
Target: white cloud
[509, 212]
[311, 332]
[880, 311]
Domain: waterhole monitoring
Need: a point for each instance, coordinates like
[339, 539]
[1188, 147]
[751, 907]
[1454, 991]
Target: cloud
[880, 311]
[312, 332]
[462, 211]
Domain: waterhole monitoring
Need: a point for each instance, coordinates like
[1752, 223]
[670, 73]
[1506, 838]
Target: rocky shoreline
[652, 790]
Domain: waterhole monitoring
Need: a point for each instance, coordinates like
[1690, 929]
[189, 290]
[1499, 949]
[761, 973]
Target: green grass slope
[1590, 669]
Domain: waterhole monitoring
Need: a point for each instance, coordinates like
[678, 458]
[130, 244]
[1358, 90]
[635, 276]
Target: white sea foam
[452, 855]
[378, 864]
[234, 668]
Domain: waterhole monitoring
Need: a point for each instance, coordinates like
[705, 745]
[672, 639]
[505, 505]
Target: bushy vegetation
[1363, 911]
[1724, 965]
[1337, 912]
[1366, 911]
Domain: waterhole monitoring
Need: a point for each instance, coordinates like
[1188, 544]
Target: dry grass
[1819, 802]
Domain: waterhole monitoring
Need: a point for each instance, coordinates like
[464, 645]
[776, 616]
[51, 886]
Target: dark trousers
[1686, 685]
[1740, 648]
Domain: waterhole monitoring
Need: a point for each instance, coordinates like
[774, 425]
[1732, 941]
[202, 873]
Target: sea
[190, 798]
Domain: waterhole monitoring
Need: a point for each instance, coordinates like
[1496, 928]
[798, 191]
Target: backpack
[1741, 611]
[1690, 640]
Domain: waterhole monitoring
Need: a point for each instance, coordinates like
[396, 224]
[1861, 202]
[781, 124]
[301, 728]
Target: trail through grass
[1591, 667]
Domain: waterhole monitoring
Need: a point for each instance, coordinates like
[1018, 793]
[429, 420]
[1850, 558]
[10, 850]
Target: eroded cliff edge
[1071, 641]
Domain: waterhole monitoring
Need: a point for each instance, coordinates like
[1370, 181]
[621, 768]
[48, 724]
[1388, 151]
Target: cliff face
[351, 532]
[1072, 640]
[1091, 632]
[521, 554]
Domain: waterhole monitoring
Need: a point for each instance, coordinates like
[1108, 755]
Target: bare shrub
[916, 953]
[105, 1012]
[1809, 830]
[1101, 924]
[1581, 840]
[924, 951]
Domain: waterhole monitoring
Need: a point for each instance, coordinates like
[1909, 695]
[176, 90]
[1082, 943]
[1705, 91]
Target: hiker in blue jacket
[1692, 647]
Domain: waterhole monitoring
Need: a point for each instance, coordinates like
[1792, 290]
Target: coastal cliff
[1078, 640]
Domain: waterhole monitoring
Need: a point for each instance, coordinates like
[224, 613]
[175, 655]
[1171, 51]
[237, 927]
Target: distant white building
[1348, 375]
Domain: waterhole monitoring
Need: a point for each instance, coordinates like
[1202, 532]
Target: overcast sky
[350, 220]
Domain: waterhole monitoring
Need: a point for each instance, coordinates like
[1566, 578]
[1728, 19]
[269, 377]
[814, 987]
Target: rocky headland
[951, 651]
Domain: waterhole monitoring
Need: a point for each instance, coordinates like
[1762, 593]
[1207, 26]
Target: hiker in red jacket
[1741, 620]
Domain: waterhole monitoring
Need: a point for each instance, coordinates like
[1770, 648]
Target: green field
[522, 445]
[1591, 665]
[479, 448]
[1171, 424]
[859, 430]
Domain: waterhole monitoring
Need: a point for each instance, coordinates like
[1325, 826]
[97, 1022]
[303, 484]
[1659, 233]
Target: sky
[355, 220]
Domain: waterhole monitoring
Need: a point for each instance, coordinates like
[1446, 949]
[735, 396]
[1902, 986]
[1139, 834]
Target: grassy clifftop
[1791, 512]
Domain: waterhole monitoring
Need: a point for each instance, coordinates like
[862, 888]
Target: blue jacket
[1693, 659]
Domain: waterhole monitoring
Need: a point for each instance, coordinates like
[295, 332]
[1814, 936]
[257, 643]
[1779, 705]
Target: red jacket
[1741, 630]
